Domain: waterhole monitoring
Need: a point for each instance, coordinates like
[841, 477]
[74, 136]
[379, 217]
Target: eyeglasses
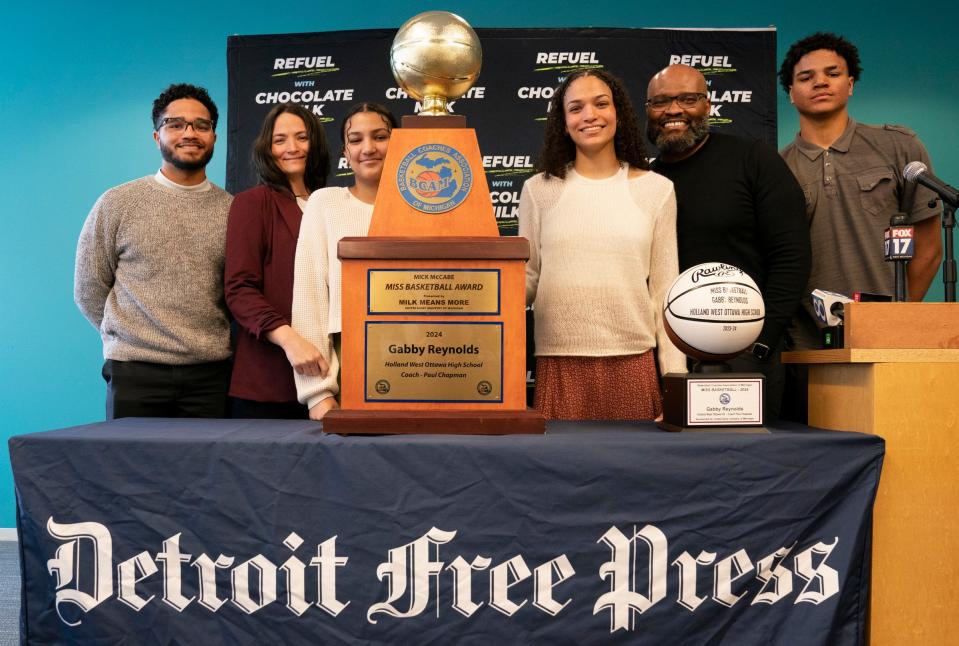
[179, 124]
[684, 100]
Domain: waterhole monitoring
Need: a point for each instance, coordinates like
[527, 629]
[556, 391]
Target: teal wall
[79, 79]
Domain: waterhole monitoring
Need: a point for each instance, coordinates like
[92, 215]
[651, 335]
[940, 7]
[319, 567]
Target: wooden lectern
[897, 377]
[434, 322]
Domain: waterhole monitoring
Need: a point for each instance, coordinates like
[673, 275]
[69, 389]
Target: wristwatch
[760, 351]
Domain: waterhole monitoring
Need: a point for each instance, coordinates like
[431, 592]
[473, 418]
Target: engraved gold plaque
[412, 361]
[434, 291]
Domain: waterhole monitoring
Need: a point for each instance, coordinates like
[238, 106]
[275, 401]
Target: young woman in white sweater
[602, 232]
[331, 214]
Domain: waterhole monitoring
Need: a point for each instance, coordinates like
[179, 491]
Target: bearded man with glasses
[737, 203]
[149, 273]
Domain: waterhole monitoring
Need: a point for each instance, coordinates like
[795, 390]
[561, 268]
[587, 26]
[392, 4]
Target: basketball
[436, 53]
[713, 311]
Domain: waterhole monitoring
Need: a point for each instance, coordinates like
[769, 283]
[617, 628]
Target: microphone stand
[948, 256]
[902, 294]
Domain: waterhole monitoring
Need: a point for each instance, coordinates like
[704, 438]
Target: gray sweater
[149, 273]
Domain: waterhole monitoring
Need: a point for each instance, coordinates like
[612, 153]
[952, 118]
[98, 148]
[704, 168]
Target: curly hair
[819, 40]
[183, 91]
[559, 150]
[317, 157]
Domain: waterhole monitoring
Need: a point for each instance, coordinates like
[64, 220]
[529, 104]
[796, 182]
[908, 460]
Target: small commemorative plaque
[726, 402]
[434, 291]
[413, 361]
[713, 401]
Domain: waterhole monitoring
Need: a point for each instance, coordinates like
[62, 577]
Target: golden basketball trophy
[434, 326]
[436, 57]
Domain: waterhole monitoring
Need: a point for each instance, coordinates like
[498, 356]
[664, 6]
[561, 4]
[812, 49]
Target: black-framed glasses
[179, 124]
[684, 100]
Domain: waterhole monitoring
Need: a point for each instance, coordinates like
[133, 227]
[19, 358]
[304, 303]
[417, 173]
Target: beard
[169, 154]
[669, 144]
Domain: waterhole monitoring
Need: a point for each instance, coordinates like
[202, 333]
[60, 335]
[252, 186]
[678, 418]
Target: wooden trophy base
[434, 321]
[438, 422]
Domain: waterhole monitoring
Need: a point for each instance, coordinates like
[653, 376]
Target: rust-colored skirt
[623, 387]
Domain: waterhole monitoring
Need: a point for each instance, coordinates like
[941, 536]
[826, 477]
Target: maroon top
[258, 284]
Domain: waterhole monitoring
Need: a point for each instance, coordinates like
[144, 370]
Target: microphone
[827, 306]
[838, 310]
[898, 246]
[899, 239]
[917, 172]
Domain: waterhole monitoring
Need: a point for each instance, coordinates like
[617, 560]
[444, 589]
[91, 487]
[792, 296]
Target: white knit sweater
[331, 214]
[602, 255]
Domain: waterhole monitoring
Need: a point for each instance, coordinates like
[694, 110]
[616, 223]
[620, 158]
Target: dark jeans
[142, 389]
[250, 409]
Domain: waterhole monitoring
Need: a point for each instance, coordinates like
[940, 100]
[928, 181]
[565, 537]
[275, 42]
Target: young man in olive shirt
[851, 176]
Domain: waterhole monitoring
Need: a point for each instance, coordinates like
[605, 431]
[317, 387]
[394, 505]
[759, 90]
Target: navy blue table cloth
[153, 531]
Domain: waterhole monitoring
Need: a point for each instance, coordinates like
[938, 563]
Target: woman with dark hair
[602, 233]
[291, 161]
[331, 214]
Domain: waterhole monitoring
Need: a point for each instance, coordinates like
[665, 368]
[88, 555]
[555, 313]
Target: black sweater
[738, 203]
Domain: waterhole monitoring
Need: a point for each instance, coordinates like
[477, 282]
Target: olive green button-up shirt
[852, 189]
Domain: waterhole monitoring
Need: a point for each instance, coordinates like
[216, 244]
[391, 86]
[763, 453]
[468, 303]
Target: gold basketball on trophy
[436, 57]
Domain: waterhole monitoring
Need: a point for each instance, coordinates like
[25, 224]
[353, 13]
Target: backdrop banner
[328, 72]
[153, 531]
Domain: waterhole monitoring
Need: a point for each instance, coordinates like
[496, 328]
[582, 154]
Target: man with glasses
[738, 204]
[149, 273]
[851, 175]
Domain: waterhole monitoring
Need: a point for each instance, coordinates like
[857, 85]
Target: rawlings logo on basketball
[713, 311]
[713, 269]
[434, 178]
